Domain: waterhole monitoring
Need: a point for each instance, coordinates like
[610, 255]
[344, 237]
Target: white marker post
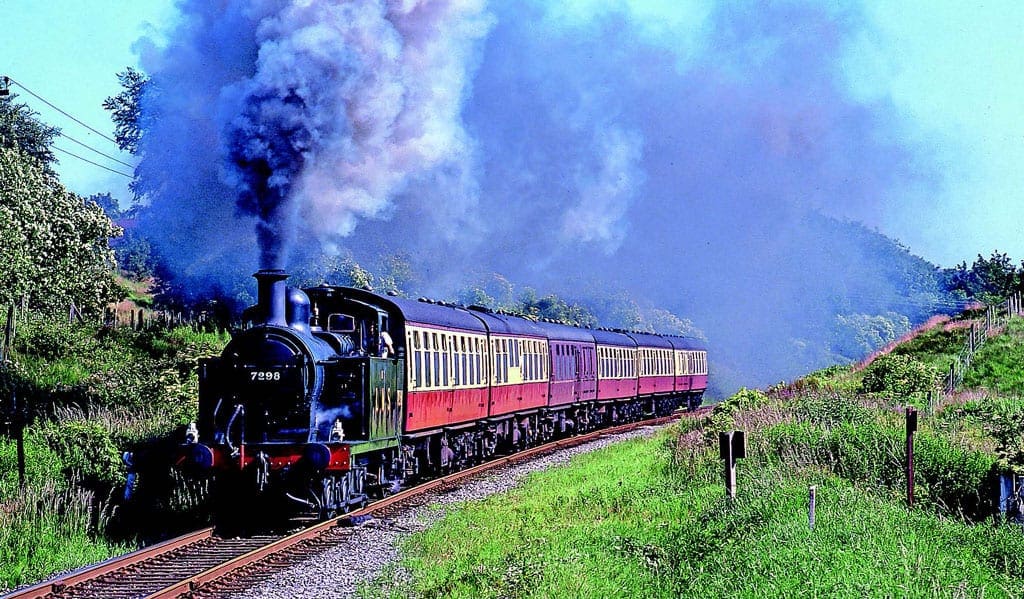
[731, 446]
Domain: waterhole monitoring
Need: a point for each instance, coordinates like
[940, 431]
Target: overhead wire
[72, 154]
[51, 105]
[73, 140]
[88, 147]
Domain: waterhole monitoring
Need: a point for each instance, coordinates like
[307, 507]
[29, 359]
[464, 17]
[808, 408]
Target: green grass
[997, 365]
[48, 529]
[624, 522]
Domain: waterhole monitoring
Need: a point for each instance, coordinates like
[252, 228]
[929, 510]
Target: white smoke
[605, 195]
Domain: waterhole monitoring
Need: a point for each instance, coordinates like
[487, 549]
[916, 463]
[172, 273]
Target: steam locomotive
[329, 395]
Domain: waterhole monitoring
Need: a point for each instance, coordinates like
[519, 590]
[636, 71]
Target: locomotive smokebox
[271, 294]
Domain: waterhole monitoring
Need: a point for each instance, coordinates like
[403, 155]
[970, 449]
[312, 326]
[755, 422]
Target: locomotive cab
[361, 400]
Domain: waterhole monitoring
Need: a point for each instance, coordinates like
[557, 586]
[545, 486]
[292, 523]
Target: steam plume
[702, 156]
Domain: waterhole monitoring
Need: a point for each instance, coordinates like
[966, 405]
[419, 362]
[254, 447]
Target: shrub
[87, 453]
[898, 375]
[51, 339]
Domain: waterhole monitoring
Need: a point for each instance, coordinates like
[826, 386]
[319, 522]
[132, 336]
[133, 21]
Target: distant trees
[612, 310]
[988, 280]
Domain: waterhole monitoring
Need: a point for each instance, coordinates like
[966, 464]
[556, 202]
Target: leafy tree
[53, 244]
[20, 130]
[333, 270]
[396, 274]
[491, 291]
[107, 203]
[856, 335]
[987, 280]
[555, 308]
[134, 255]
[667, 323]
[126, 109]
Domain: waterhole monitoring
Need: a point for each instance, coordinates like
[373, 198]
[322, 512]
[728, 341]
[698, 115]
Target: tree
[126, 109]
[396, 275]
[107, 203]
[21, 131]
[987, 280]
[555, 308]
[54, 246]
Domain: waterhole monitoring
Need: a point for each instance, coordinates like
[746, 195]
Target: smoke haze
[702, 158]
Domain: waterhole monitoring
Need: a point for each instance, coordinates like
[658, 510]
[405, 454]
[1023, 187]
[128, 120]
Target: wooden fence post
[911, 416]
[19, 436]
[8, 334]
[810, 506]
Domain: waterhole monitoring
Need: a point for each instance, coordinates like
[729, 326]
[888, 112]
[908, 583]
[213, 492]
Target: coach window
[445, 360]
[495, 361]
[417, 354]
[457, 361]
[481, 364]
[435, 355]
[476, 361]
[428, 372]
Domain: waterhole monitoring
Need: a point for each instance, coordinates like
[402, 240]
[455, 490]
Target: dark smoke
[291, 120]
[705, 160]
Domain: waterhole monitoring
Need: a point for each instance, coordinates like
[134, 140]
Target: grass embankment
[90, 394]
[650, 519]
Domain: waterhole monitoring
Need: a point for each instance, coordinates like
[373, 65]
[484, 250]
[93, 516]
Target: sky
[69, 53]
[950, 72]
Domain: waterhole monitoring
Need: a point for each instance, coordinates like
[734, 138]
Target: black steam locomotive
[329, 395]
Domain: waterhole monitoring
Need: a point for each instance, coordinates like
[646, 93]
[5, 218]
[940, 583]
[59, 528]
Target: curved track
[193, 561]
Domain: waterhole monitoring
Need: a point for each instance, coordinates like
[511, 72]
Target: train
[328, 396]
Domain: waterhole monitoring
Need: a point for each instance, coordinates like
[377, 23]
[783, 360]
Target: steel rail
[94, 571]
[193, 582]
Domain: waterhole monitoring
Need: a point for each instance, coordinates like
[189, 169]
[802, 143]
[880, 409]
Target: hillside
[649, 518]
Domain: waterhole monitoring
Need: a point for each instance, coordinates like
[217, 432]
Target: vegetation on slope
[89, 393]
[650, 519]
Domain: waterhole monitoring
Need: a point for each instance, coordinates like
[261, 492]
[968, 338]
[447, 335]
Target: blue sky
[69, 53]
[953, 73]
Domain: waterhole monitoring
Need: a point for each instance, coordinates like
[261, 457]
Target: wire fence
[113, 316]
[996, 317]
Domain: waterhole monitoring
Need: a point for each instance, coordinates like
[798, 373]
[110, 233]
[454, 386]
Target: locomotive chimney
[271, 294]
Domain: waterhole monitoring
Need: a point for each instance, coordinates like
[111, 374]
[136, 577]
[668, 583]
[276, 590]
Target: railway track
[192, 564]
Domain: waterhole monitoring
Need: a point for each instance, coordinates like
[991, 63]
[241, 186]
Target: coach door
[586, 373]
